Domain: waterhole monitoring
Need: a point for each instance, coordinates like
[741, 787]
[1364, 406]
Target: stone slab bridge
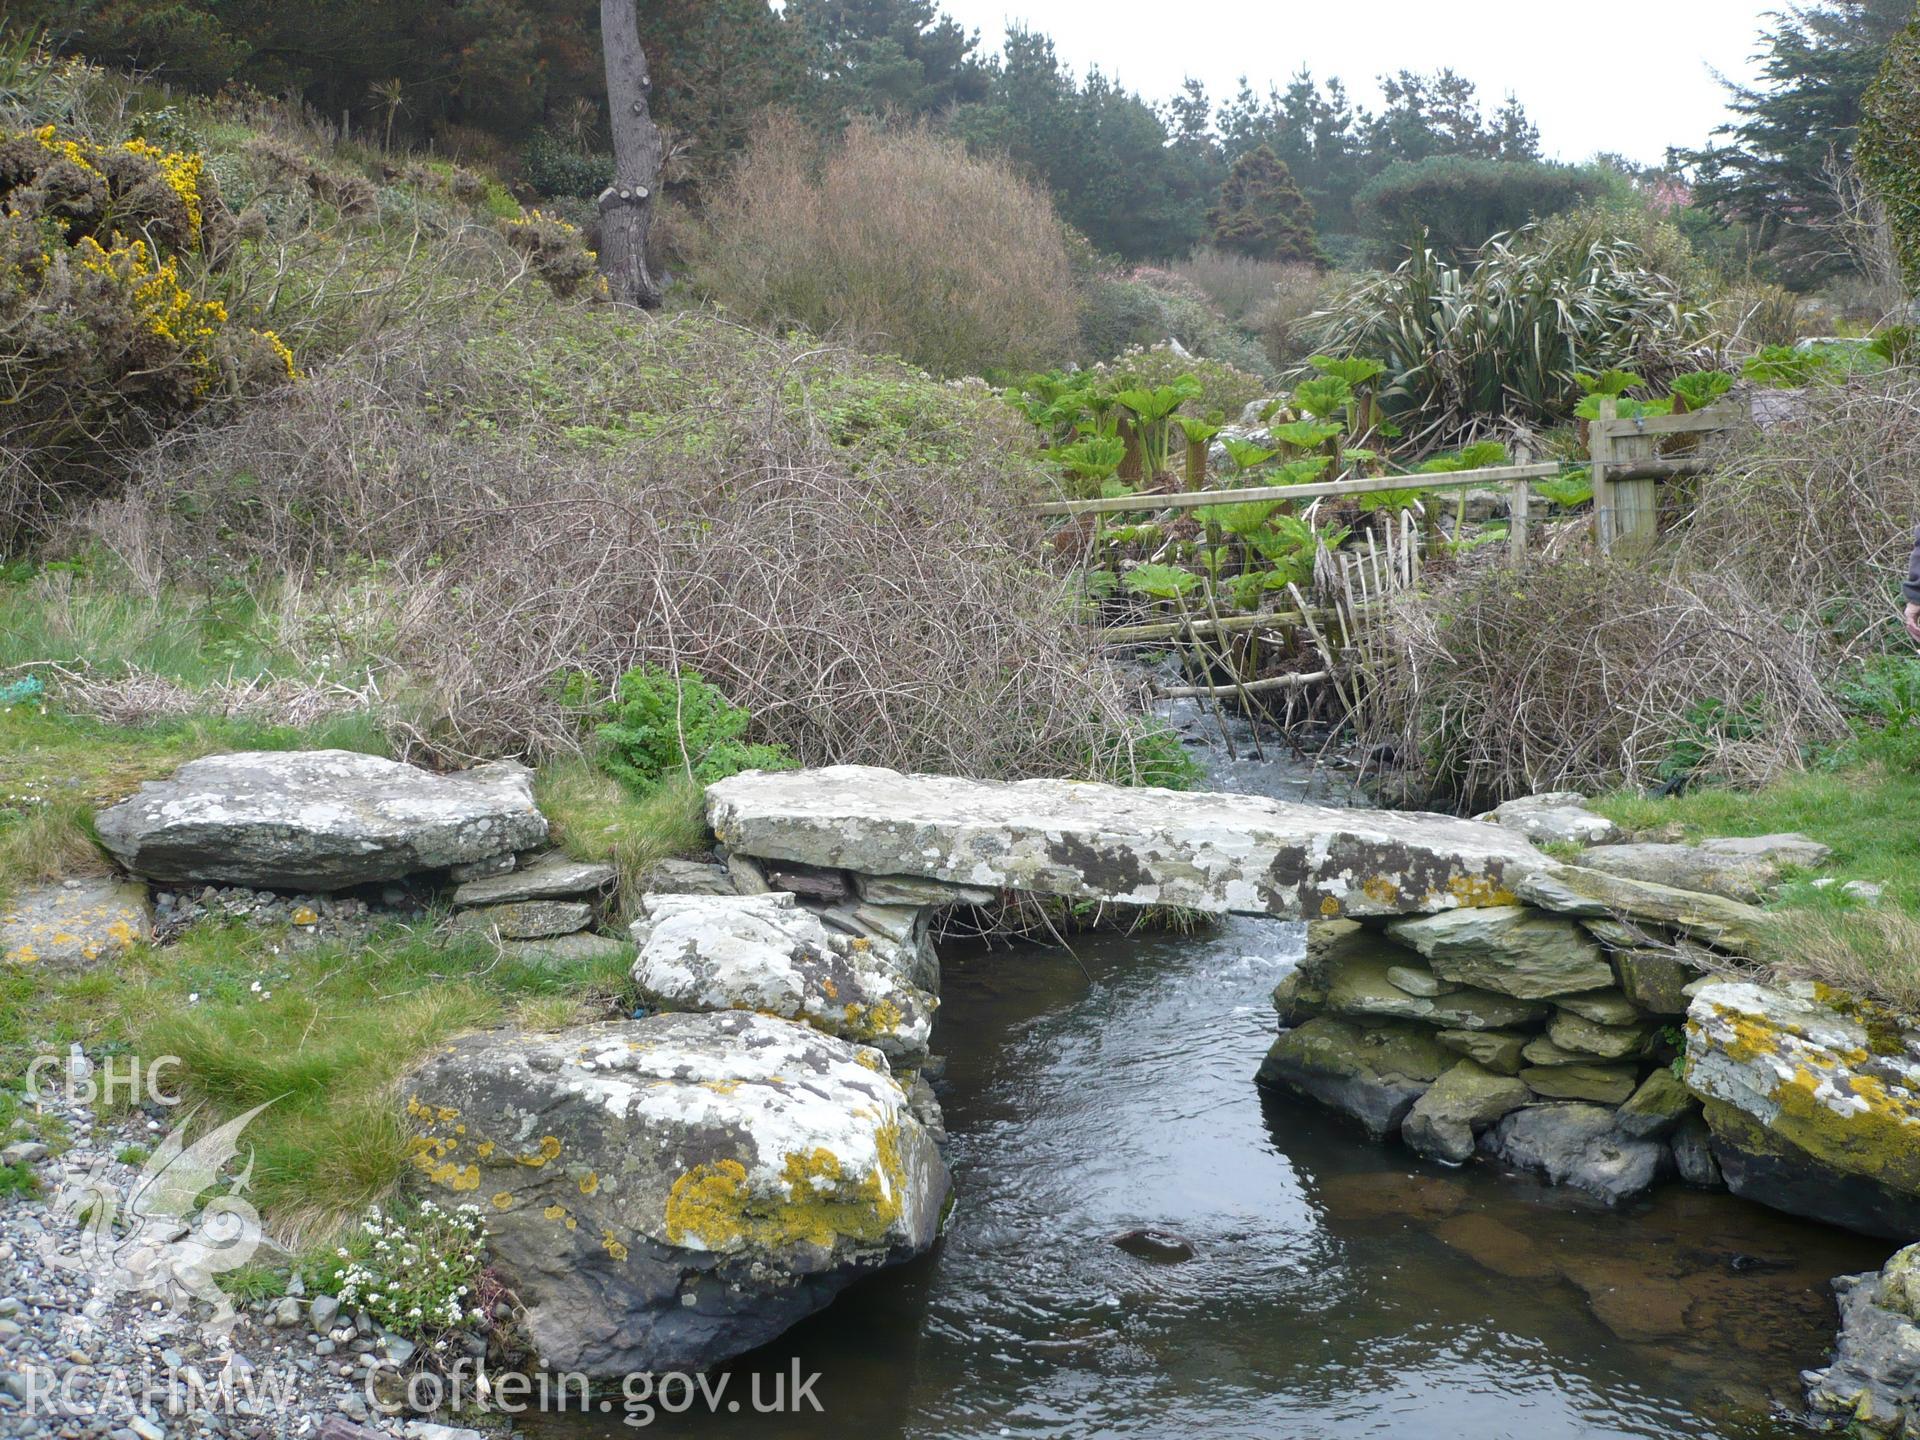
[921, 840]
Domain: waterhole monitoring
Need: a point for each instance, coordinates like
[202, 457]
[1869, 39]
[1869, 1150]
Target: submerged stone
[1372, 1074]
[1512, 949]
[318, 820]
[1874, 1380]
[667, 1193]
[1459, 1105]
[1577, 1145]
[1211, 852]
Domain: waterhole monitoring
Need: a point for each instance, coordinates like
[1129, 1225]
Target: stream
[1338, 1287]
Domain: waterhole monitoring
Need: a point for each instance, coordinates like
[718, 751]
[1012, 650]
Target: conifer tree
[1261, 212]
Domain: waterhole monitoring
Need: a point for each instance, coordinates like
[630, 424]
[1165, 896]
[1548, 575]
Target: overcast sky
[1632, 76]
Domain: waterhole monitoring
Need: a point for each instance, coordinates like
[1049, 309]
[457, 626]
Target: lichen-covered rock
[1602, 1007]
[1577, 1145]
[1874, 1380]
[1602, 1084]
[663, 1194]
[526, 919]
[765, 953]
[903, 934]
[1656, 980]
[1657, 1107]
[1457, 1107]
[676, 876]
[74, 924]
[1498, 1050]
[551, 877]
[1211, 852]
[1739, 870]
[1576, 890]
[1358, 971]
[1509, 948]
[1606, 1042]
[318, 820]
[1559, 815]
[1814, 1101]
[1373, 1074]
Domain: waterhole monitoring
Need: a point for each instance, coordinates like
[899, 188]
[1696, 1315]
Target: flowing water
[1337, 1288]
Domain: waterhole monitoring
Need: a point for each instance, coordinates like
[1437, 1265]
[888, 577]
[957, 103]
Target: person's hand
[1912, 619]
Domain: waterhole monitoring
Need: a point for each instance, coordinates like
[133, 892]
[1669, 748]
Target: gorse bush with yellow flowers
[109, 334]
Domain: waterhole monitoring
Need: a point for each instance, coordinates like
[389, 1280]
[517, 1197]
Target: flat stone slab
[318, 820]
[551, 877]
[1218, 853]
[527, 919]
[1558, 816]
[767, 954]
[74, 923]
[1740, 870]
[666, 1193]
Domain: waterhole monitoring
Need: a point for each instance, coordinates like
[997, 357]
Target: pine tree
[1261, 212]
[1889, 150]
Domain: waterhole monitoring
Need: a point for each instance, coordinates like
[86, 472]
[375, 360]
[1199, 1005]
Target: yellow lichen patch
[1746, 1037]
[555, 1212]
[612, 1246]
[712, 1207]
[1381, 890]
[589, 1183]
[1476, 892]
[483, 1149]
[503, 1201]
[720, 1087]
[829, 989]
[1330, 908]
[305, 915]
[549, 1150]
[869, 1022]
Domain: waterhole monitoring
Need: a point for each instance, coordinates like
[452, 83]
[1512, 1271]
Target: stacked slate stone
[537, 907]
[1546, 1036]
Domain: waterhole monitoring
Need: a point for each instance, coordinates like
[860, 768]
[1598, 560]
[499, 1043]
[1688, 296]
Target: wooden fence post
[1519, 503]
[1599, 452]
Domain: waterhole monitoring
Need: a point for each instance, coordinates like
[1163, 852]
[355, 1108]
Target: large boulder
[766, 953]
[664, 1194]
[318, 820]
[1577, 1145]
[1813, 1099]
[1874, 1380]
[1509, 948]
[1372, 1074]
[1213, 852]
[1445, 1121]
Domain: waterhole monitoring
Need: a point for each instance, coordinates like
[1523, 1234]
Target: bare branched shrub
[1816, 514]
[1297, 292]
[836, 544]
[1239, 285]
[895, 240]
[1586, 674]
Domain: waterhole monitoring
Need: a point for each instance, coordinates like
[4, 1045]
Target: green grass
[595, 817]
[18, 1180]
[324, 1037]
[1867, 814]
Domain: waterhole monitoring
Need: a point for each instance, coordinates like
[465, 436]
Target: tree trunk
[626, 206]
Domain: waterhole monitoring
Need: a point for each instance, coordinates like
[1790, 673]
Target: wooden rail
[1627, 469]
[1195, 499]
